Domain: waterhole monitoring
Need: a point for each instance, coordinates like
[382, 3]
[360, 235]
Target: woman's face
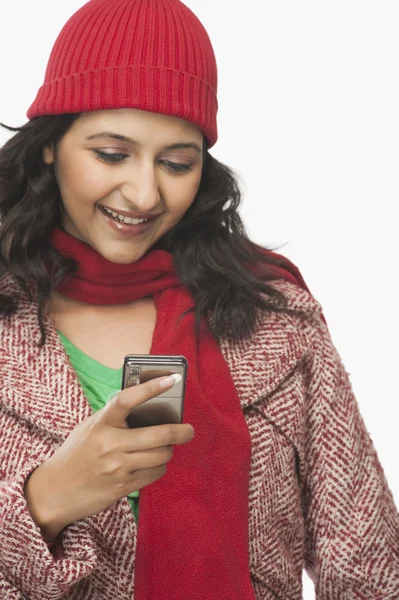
[115, 167]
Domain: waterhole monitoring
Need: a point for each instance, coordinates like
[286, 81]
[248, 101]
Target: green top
[99, 384]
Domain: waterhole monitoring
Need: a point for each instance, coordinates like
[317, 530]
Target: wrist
[38, 497]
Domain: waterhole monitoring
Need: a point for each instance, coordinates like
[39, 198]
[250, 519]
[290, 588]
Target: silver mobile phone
[167, 407]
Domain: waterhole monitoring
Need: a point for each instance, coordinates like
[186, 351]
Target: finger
[157, 436]
[147, 459]
[117, 410]
[143, 477]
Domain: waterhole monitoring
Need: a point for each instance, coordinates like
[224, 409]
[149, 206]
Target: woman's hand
[102, 461]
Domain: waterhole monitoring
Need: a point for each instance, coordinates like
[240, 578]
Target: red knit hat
[153, 55]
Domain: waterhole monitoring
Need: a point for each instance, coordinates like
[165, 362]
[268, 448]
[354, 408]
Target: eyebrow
[129, 140]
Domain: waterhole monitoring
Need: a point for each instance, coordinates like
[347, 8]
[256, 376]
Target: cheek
[181, 194]
[81, 181]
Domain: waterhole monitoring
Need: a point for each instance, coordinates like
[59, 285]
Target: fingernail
[170, 381]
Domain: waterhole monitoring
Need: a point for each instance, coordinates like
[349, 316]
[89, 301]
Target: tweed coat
[318, 499]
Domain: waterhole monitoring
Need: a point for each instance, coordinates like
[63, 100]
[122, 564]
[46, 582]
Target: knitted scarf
[193, 532]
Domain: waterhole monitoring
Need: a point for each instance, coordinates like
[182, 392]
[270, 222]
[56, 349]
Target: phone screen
[165, 408]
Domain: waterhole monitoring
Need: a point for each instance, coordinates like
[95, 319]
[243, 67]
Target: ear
[48, 154]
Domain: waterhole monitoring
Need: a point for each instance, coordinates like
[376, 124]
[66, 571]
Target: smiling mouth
[121, 218]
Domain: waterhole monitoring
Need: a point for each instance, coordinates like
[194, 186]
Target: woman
[120, 235]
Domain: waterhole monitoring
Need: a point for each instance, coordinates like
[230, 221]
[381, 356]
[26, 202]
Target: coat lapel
[260, 364]
[39, 384]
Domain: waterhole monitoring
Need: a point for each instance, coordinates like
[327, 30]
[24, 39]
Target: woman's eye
[118, 158]
[110, 157]
[177, 167]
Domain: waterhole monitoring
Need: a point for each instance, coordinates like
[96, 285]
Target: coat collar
[259, 365]
[41, 386]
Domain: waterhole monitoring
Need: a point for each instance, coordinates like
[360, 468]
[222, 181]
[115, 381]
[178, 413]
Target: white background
[309, 118]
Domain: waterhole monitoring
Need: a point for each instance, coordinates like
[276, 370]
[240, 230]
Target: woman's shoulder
[8, 285]
[13, 303]
[262, 361]
[289, 326]
[298, 298]
[11, 293]
[297, 325]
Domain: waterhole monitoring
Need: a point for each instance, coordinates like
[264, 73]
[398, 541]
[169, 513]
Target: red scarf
[193, 531]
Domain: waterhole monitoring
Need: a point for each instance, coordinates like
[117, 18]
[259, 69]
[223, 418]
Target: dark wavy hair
[212, 253]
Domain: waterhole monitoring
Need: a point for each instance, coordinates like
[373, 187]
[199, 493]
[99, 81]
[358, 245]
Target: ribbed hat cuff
[156, 89]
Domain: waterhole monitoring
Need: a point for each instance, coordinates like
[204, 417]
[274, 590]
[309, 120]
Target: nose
[141, 189]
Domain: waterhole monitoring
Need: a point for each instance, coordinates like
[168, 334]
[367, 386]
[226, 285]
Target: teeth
[122, 219]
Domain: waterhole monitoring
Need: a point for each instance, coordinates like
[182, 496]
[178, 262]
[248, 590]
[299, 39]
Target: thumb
[116, 412]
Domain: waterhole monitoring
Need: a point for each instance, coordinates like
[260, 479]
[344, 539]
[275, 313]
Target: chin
[120, 258]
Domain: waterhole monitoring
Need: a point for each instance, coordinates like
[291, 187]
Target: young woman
[120, 235]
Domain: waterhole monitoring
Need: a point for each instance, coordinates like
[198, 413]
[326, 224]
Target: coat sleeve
[28, 568]
[352, 524]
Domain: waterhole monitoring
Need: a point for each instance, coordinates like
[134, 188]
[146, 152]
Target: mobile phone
[168, 406]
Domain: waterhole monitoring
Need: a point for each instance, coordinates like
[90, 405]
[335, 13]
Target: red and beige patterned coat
[318, 500]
